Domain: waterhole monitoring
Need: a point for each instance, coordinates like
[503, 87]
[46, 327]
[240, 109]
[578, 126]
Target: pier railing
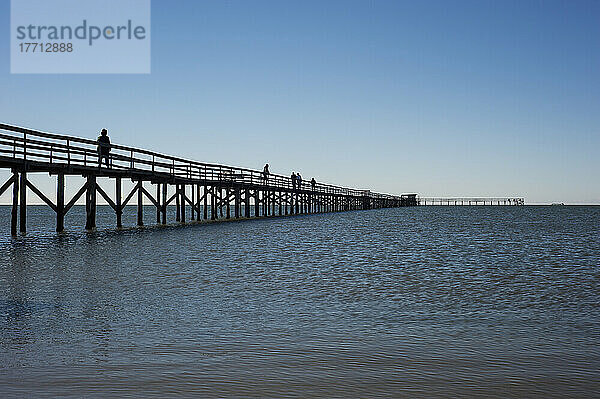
[29, 145]
[470, 201]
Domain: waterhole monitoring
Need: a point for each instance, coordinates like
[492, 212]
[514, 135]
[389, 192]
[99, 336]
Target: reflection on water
[418, 302]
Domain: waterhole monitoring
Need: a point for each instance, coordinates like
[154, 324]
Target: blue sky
[461, 98]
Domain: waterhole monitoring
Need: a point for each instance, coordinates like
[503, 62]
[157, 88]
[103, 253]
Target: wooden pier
[469, 201]
[205, 191]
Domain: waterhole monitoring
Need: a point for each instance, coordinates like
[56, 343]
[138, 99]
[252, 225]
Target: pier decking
[470, 201]
[207, 191]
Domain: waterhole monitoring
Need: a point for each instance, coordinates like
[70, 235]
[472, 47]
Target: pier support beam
[15, 204]
[118, 202]
[220, 201]
[256, 203]
[23, 203]
[159, 207]
[90, 203]
[228, 199]
[164, 204]
[140, 204]
[182, 201]
[193, 202]
[60, 202]
[237, 203]
[177, 205]
[280, 203]
[213, 204]
[205, 210]
[247, 202]
[198, 203]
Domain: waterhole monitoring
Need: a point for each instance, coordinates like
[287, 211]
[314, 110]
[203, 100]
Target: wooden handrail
[176, 166]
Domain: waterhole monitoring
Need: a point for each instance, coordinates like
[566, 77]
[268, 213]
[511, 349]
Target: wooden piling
[158, 206]
[182, 193]
[228, 200]
[164, 204]
[256, 202]
[305, 202]
[15, 204]
[205, 210]
[140, 204]
[90, 203]
[23, 203]
[118, 202]
[60, 202]
[247, 203]
[237, 202]
[213, 204]
[280, 203]
[193, 200]
[198, 203]
[177, 206]
[220, 201]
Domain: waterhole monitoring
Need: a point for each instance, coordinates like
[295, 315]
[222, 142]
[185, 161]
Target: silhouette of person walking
[313, 183]
[266, 173]
[294, 180]
[103, 148]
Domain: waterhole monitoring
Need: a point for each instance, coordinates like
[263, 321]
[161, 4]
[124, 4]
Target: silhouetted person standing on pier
[103, 148]
[313, 183]
[299, 181]
[266, 173]
[294, 180]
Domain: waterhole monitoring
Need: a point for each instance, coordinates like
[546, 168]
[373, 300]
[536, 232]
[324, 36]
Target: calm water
[412, 302]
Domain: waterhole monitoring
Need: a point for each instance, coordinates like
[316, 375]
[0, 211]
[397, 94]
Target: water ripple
[415, 302]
